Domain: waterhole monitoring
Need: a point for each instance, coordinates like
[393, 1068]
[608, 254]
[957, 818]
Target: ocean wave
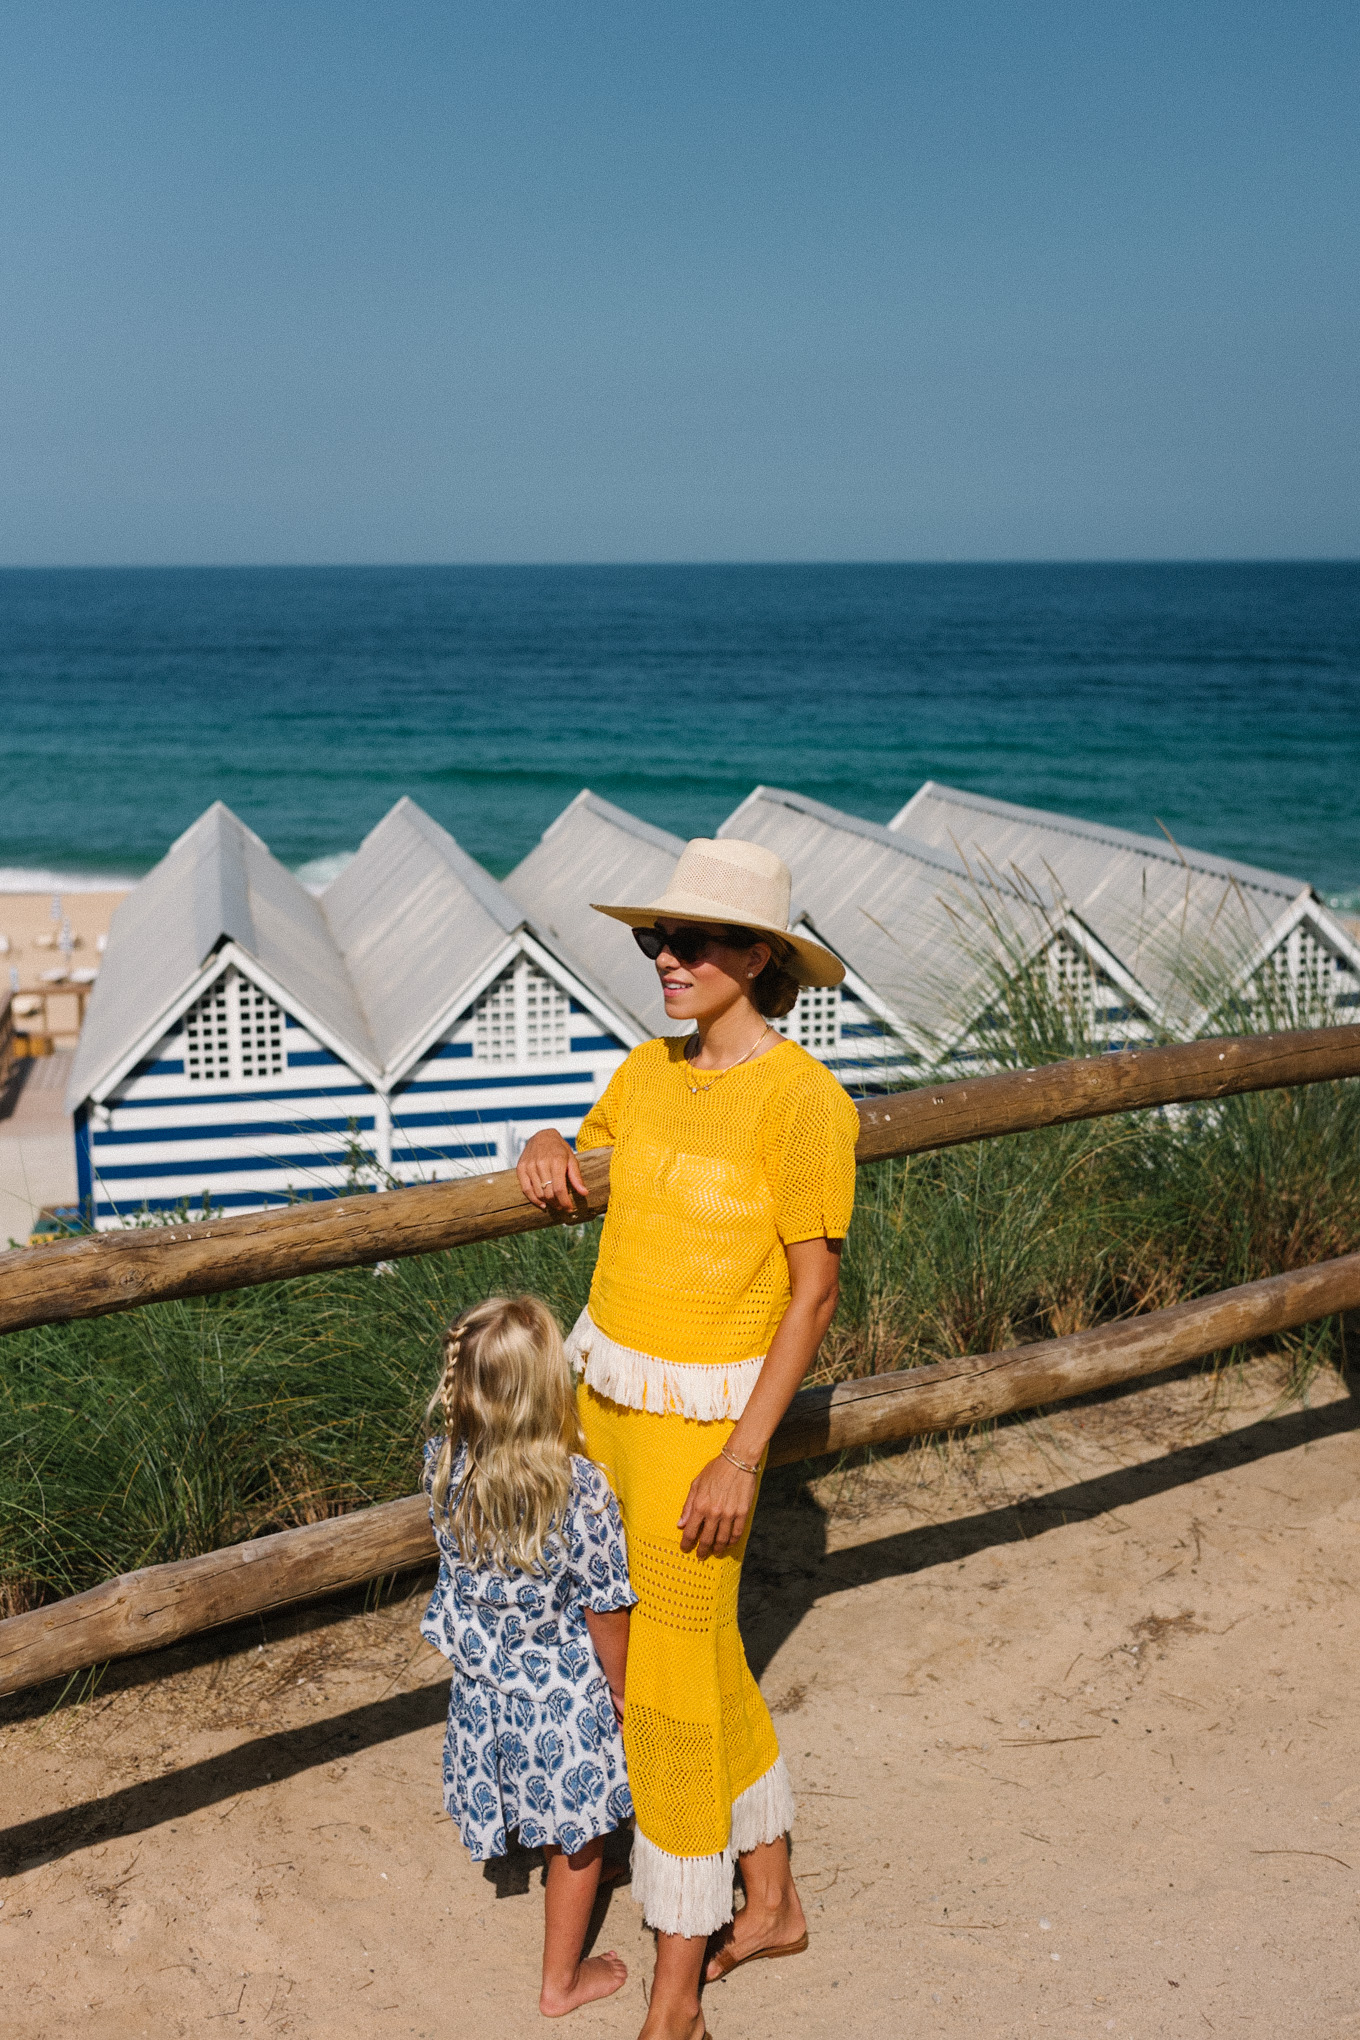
[15, 878]
[317, 873]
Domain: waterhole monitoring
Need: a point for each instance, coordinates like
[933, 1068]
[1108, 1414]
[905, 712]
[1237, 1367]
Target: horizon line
[246, 566]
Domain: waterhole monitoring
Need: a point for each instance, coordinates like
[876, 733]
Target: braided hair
[453, 1341]
[506, 1402]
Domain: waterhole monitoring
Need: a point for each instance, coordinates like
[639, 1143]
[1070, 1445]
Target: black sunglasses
[687, 944]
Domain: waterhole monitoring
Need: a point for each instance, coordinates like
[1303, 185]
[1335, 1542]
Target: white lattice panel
[235, 1031]
[1308, 972]
[261, 1031]
[815, 1021]
[207, 1037]
[547, 1015]
[1080, 985]
[523, 1017]
[494, 1021]
[1071, 975]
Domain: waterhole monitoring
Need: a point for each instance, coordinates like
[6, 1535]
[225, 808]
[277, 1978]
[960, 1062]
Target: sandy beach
[1069, 1713]
[50, 944]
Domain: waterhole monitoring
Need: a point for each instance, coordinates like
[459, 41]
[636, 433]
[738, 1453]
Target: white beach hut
[1180, 921]
[898, 914]
[484, 1026]
[595, 851]
[248, 1044]
[916, 930]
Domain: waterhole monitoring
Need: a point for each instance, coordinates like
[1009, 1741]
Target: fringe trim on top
[692, 1895]
[639, 1381]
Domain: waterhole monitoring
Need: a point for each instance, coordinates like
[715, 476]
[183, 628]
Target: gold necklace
[766, 1029]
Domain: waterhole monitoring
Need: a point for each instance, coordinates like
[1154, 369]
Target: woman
[732, 1182]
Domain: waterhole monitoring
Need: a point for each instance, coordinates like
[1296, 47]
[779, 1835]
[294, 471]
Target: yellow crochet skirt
[707, 1779]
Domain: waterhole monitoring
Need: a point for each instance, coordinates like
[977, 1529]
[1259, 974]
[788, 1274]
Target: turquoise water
[1221, 700]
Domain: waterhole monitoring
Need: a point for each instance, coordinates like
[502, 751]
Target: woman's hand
[549, 1172]
[719, 1501]
[716, 1509]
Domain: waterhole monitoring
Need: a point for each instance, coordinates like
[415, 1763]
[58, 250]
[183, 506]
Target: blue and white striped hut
[248, 1044]
[596, 851]
[879, 902]
[917, 930]
[1195, 928]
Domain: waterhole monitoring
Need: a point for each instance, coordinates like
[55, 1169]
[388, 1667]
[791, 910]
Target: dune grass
[168, 1431]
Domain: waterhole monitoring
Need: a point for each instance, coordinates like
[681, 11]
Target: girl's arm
[720, 1497]
[609, 1634]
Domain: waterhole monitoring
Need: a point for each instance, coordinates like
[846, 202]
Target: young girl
[531, 1607]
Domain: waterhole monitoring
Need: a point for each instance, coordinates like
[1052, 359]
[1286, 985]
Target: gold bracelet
[732, 1460]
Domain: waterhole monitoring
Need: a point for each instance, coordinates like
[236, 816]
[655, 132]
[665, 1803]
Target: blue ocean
[1218, 702]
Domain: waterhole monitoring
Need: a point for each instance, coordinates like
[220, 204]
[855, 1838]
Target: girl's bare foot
[598, 1977]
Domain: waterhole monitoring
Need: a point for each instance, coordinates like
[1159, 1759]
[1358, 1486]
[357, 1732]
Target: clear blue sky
[562, 280]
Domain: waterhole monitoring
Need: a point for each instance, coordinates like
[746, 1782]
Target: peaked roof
[415, 921]
[595, 851]
[217, 883]
[401, 940]
[1150, 901]
[883, 902]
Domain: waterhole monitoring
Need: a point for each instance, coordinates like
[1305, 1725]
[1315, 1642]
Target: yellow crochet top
[707, 1188]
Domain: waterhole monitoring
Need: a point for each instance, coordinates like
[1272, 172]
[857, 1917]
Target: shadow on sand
[788, 1569]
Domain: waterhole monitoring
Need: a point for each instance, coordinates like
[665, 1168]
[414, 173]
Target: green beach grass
[165, 1432]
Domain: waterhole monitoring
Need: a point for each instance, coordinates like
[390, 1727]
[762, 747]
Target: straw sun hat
[743, 885]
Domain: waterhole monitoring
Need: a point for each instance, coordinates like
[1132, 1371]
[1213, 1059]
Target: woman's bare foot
[673, 2002]
[597, 1977]
[755, 1928]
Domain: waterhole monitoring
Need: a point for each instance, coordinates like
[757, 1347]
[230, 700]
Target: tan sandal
[727, 1961]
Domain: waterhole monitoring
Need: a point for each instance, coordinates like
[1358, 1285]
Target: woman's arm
[719, 1500]
[609, 1634]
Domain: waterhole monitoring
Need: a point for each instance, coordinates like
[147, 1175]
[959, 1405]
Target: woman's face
[721, 978]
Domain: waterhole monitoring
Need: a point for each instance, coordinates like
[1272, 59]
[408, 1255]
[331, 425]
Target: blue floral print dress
[532, 1742]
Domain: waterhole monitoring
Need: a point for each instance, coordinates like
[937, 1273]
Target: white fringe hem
[692, 1895]
[764, 1811]
[639, 1381]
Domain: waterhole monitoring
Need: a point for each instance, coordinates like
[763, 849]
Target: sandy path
[37, 1146]
[1072, 1716]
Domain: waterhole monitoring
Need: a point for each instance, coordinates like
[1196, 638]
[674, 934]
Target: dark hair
[775, 992]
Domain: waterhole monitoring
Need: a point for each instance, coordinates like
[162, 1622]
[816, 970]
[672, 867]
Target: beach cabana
[923, 939]
[484, 1028]
[595, 851]
[248, 1044]
[1191, 927]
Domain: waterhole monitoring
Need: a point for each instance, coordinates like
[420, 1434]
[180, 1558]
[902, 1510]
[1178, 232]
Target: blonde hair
[506, 1394]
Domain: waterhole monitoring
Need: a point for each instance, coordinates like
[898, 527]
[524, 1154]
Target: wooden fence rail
[162, 1604]
[90, 1276]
